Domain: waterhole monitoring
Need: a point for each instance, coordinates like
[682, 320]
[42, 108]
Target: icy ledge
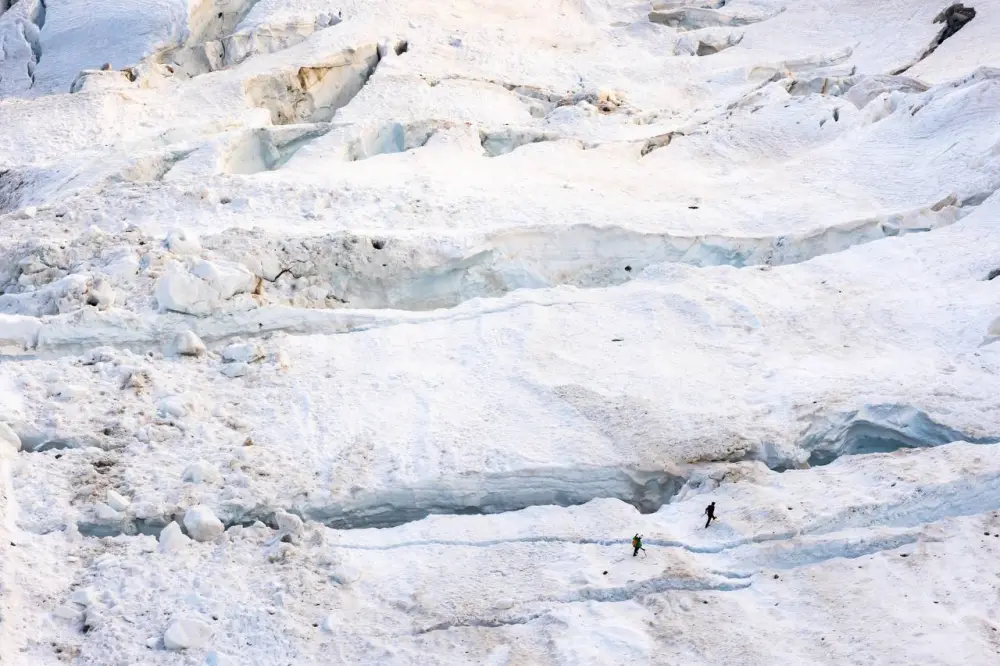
[871, 429]
[497, 493]
[468, 494]
[881, 428]
[380, 274]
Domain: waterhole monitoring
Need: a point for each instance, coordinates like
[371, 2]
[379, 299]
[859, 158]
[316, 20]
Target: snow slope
[367, 333]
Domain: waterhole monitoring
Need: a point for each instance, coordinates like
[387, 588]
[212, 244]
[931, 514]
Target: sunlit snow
[371, 333]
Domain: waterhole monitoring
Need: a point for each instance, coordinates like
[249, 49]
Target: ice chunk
[105, 512]
[182, 241]
[188, 344]
[93, 617]
[246, 352]
[85, 596]
[101, 295]
[173, 405]
[8, 436]
[202, 291]
[19, 330]
[99, 355]
[172, 538]
[124, 267]
[225, 277]
[202, 524]
[993, 330]
[67, 391]
[187, 632]
[67, 612]
[345, 575]
[67, 294]
[288, 523]
[201, 471]
[235, 369]
[214, 658]
[179, 291]
[116, 501]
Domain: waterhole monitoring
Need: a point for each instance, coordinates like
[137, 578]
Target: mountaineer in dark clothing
[710, 512]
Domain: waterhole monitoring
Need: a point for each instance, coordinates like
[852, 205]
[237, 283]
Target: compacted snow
[371, 333]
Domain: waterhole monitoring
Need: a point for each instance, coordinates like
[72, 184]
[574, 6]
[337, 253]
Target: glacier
[355, 333]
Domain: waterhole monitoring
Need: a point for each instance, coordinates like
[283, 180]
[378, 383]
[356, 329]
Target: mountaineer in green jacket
[637, 545]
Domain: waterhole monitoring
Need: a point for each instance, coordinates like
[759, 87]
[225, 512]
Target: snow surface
[371, 333]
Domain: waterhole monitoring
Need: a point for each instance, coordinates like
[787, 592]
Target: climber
[637, 545]
[710, 512]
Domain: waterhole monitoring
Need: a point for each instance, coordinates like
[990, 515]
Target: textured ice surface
[372, 332]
